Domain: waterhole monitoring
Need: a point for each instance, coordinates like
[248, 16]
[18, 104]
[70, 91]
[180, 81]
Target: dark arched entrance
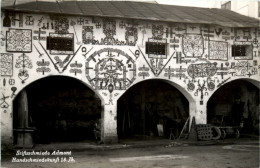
[235, 104]
[60, 109]
[147, 104]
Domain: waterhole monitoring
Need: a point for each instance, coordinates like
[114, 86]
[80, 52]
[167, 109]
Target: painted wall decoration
[73, 23]
[225, 35]
[210, 84]
[60, 64]
[175, 72]
[61, 24]
[242, 68]
[190, 86]
[6, 20]
[19, 40]
[2, 39]
[18, 19]
[222, 70]
[82, 21]
[6, 64]
[157, 31]
[110, 69]
[156, 55]
[76, 68]
[202, 90]
[218, 50]
[87, 35]
[109, 31]
[13, 89]
[24, 63]
[136, 54]
[180, 59]
[193, 45]
[39, 35]
[174, 43]
[143, 71]
[43, 66]
[29, 20]
[131, 36]
[3, 103]
[202, 70]
[11, 82]
[38, 51]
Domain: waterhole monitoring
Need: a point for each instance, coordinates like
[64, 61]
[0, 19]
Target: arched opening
[59, 109]
[235, 104]
[151, 108]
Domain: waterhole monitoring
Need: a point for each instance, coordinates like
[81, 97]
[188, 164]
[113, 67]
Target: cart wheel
[237, 134]
[223, 134]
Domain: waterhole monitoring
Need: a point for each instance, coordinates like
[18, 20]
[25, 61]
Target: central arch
[59, 109]
[149, 105]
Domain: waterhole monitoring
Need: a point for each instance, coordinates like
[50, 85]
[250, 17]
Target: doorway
[151, 108]
[60, 109]
[235, 104]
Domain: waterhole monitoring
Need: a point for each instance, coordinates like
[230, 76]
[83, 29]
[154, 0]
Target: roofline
[222, 23]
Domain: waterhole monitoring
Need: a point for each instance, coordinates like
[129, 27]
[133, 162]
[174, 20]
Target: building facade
[247, 8]
[111, 55]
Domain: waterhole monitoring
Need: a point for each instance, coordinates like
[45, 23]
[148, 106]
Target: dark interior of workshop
[60, 109]
[148, 104]
[235, 104]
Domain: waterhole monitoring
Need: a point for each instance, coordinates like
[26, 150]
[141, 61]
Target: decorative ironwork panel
[218, 50]
[19, 40]
[6, 64]
[110, 69]
[87, 34]
[202, 70]
[193, 45]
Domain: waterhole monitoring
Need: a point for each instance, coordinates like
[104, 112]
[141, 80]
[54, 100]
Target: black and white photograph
[130, 83]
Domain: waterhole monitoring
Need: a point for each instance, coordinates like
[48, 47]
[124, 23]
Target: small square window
[238, 50]
[242, 51]
[60, 43]
[156, 48]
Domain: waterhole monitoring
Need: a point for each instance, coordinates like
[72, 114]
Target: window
[226, 5]
[238, 51]
[156, 48]
[60, 44]
[241, 50]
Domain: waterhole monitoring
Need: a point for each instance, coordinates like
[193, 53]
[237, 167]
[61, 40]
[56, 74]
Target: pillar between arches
[109, 123]
[199, 112]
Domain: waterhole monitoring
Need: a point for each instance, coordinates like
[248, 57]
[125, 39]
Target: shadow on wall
[61, 109]
[234, 104]
[148, 104]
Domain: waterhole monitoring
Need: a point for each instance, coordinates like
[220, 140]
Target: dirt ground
[243, 153]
